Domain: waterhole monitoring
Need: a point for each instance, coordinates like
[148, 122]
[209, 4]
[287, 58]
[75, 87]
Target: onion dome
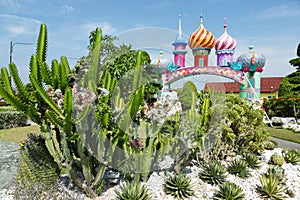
[225, 42]
[201, 38]
[252, 61]
[163, 62]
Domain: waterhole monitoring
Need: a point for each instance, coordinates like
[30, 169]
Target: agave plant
[252, 160]
[239, 167]
[271, 188]
[133, 191]
[276, 171]
[179, 186]
[229, 191]
[213, 173]
[291, 156]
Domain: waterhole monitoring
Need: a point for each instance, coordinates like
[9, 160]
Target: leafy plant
[229, 191]
[291, 156]
[271, 188]
[270, 145]
[213, 173]
[133, 191]
[239, 167]
[276, 159]
[179, 186]
[252, 160]
[275, 171]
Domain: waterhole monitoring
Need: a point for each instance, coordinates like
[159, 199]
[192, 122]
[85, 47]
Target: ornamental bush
[12, 119]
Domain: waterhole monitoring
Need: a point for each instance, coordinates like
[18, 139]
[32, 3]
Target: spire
[225, 25]
[179, 38]
[179, 28]
[251, 45]
[201, 19]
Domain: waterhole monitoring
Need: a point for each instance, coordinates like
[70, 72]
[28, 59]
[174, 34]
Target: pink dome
[225, 42]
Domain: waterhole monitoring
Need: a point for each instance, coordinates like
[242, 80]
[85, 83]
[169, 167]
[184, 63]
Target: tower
[201, 42]
[225, 48]
[253, 64]
[179, 47]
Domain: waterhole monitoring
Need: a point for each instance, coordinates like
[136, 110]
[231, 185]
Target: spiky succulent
[213, 173]
[270, 145]
[276, 159]
[228, 191]
[291, 156]
[239, 167]
[276, 171]
[179, 186]
[271, 188]
[133, 191]
[252, 160]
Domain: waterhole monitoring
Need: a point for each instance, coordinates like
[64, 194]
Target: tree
[296, 61]
[290, 85]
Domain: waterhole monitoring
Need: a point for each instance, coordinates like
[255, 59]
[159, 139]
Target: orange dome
[201, 38]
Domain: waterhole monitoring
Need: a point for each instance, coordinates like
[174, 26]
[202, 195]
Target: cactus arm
[46, 73]
[68, 107]
[6, 80]
[22, 92]
[41, 50]
[63, 82]
[12, 99]
[54, 119]
[46, 98]
[55, 73]
[137, 72]
[33, 66]
[95, 53]
[65, 64]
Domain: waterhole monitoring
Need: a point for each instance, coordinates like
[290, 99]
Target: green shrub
[291, 156]
[229, 191]
[179, 186]
[12, 119]
[133, 191]
[213, 173]
[252, 160]
[239, 167]
[276, 159]
[270, 145]
[271, 188]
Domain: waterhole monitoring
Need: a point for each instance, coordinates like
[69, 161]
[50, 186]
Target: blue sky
[274, 25]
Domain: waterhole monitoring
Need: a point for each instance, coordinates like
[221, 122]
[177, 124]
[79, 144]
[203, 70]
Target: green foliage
[271, 188]
[296, 61]
[12, 119]
[239, 167]
[291, 156]
[270, 145]
[277, 172]
[185, 94]
[179, 186]
[213, 173]
[242, 126]
[229, 191]
[277, 159]
[133, 191]
[252, 160]
[283, 106]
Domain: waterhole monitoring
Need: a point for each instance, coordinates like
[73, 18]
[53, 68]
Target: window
[269, 97]
[177, 62]
[201, 62]
[224, 62]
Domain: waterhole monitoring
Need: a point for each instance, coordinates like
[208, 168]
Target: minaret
[225, 48]
[179, 47]
[201, 42]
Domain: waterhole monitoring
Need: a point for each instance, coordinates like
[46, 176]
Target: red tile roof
[268, 84]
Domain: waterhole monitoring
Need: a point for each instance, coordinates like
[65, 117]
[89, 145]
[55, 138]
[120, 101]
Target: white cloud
[283, 10]
[67, 9]
[106, 27]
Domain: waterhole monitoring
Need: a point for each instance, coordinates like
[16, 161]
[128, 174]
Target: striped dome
[201, 38]
[225, 42]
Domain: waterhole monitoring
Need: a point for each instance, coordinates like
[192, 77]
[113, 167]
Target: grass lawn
[284, 134]
[17, 134]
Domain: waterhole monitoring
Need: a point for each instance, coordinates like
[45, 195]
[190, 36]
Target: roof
[268, 85]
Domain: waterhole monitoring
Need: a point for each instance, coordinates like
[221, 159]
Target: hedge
[12, 119]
